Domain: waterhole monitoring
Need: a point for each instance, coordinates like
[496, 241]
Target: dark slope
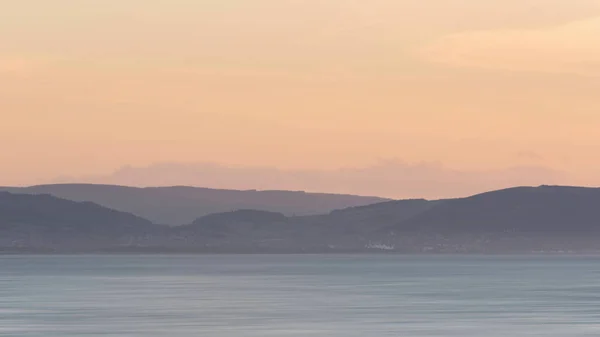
[352, 226]
[260, 229]
[544, 209]
[233, 222]
[182, 205]
[240, 231]
[242, 215]
[47, 221]
[363, 219]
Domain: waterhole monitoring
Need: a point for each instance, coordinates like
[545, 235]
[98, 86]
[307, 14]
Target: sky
[479, 89]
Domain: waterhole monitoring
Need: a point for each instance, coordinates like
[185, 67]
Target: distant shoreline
[190, 252]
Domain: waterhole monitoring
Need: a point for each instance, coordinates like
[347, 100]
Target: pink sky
[90, 86]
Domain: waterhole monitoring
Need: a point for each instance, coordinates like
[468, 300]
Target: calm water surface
[299, 295]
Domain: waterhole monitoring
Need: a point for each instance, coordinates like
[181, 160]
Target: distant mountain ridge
[180, 205]
[514, 220]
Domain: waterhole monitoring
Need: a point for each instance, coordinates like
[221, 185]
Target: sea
[299, 295]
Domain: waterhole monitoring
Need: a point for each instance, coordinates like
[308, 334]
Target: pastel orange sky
[90, 86]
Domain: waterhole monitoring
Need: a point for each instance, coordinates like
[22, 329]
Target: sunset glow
[88, 87]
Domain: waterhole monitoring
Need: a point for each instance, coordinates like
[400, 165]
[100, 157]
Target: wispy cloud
[395, 179]
[568, 48]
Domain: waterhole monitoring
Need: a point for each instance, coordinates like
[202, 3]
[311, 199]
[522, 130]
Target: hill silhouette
[47, 221]
[521, 219]
[182, 205]
[545, 209]
[260, 229]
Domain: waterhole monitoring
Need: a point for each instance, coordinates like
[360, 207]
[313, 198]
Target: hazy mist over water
[299, 295]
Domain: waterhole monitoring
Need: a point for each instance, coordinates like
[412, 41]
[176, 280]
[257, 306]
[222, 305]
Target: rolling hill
[44, 221]
[182, 205]
[521, 219]
[544, 209]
